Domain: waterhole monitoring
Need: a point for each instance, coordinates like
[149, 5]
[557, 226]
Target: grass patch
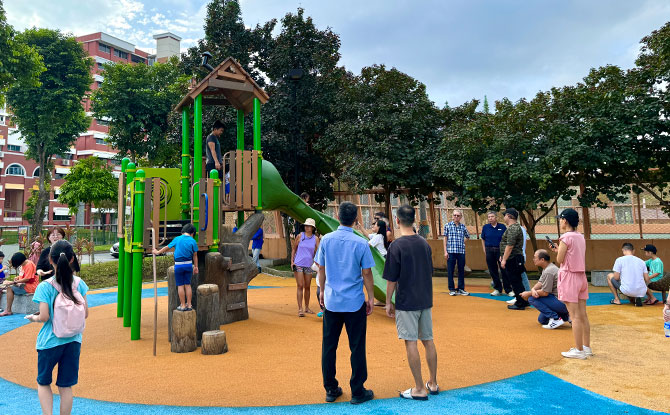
[106, 274]
[282, 267]
[103, 248]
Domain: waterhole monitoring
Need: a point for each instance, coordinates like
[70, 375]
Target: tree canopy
[50, 116]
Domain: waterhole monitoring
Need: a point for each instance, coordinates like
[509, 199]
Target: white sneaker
[587, 351]
[554, 324]
[495, 293]
[511, 302]
[574, 354]
[511, 294]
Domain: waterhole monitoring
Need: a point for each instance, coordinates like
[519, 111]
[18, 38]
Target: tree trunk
[208, 309]
[387, 210]
[530, 227]
[90, 225]
[586, 217]
[42, 198]
[287, 237]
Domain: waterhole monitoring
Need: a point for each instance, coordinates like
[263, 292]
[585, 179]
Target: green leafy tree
[19, 62]
[50, 117]
[385, 135]
[29, 212]
[486, 105]
[91, 182]
[138, 101]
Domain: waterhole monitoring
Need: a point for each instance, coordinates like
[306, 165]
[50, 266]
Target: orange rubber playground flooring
[274, 357]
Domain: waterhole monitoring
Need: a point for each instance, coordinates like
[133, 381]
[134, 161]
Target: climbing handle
[204, 228]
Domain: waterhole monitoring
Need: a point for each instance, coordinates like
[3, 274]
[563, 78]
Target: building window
[15, 170]
[59, 176]
[36, 173]
[67, 156]
[137, 59]
[12, 147]
[2, 120]
[100, 65]
[104, 48]
[101, 122]
[99, 83]
[100, 141]
[62, 217]
[121, 54]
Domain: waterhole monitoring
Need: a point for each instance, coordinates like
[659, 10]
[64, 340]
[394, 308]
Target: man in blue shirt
[256, 246]
[492, 232]
[455, 234]
[345, 263]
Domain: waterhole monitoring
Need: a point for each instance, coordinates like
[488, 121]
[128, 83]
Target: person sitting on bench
[24, 283]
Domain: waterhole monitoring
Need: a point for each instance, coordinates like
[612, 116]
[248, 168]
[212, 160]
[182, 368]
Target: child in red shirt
[24, 283]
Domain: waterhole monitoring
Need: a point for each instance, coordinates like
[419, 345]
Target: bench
[23, 304]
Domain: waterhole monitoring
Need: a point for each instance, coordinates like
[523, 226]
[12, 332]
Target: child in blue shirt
[185, 264]
[2, 270]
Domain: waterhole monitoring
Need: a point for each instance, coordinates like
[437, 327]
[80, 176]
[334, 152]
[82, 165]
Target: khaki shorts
[414, 325]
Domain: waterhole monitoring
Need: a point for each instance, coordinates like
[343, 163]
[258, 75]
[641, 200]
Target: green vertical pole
[138, 256]
[128, 261]
[240, 146]
[185, 164]
[215, 211]
[197, 156]
[257, 145]
[122, 256]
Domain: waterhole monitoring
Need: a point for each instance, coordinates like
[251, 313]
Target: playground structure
[147, 198]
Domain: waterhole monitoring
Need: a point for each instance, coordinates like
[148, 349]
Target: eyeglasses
[456, 214]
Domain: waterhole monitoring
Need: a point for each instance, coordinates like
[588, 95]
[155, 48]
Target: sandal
[433, 392]
[301, 313]
[612, 302]
[308, 311]
[180, 308]
[6, 313]
[408, 395]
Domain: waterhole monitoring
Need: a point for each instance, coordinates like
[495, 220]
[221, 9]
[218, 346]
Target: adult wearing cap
[655, 267]
[302, 258]
[573, 288]
[511, 257]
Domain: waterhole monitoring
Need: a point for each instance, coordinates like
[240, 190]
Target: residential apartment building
[19, 175]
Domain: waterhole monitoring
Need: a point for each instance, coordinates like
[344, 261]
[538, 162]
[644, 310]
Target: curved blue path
[536, 392]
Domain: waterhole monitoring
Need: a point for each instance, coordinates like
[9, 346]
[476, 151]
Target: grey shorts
[616, 283]
[414, 325]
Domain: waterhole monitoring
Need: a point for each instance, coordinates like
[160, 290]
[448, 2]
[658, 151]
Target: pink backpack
[69, 319]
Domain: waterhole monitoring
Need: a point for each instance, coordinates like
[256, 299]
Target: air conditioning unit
[2, 164]
[2, 154]
[66, 162]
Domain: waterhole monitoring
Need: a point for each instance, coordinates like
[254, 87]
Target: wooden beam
[238, 286]
[232, 76]
[236, 86]
[213, 101]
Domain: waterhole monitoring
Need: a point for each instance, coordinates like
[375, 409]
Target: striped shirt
[456, 235]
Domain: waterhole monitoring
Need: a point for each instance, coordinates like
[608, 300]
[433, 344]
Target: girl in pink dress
[572, 284]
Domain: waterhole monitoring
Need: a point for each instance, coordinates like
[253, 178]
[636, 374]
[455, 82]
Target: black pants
[209, 167]
[514, 268]
[355, 324]
[452, 261]
[493, 262]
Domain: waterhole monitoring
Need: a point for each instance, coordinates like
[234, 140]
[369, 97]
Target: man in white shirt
[630, 276]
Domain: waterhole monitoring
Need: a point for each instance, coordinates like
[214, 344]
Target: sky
[460, 50]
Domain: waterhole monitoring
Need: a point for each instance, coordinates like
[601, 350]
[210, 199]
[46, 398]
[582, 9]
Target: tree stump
[214, 342]
[208, 309]
[183, 332]
[173, 296]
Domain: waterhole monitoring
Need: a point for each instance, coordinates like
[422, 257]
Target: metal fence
[21, 235]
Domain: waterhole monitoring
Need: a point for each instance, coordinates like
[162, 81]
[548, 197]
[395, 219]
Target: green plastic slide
[276, 196]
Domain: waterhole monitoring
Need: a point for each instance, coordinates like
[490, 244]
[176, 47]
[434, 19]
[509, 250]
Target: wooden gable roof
[227, 84]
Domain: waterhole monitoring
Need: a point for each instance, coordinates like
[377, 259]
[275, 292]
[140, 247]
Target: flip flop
[5, 313]
[612, 302]
[301, 314]
[433, 392]
[656, 301]
[309, 312]
[408, 395]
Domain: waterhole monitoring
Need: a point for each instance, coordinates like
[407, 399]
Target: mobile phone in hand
[553, 245]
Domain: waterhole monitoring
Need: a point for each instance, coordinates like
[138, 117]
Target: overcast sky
[459, 49]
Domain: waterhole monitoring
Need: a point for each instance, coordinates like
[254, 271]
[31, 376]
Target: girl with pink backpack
[63, 310]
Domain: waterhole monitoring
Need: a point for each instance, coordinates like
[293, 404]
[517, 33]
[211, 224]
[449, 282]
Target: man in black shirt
[409, 273]
[213, 150]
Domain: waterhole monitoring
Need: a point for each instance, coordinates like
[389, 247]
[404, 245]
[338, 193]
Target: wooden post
[208, 309]
[476, 222]
[214, 342]
[183, 331]
[433, 226]
[558, 222]
[639, 215]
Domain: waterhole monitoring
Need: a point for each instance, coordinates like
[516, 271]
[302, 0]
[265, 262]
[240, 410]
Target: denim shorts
[183, 274]
[19, 290]
[67, 357]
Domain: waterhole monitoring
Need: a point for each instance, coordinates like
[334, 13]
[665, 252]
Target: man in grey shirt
[213, 150]
[542, 296]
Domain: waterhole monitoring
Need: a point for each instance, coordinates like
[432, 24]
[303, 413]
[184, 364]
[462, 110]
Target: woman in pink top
[572, 284]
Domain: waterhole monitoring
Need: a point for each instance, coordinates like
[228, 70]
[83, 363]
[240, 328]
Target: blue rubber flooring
[536, 392]
[594, 298]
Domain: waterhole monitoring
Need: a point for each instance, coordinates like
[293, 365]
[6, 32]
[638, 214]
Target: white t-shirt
[632, 270]
[377, 241]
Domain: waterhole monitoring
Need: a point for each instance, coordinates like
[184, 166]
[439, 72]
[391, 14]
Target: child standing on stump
[185, 264]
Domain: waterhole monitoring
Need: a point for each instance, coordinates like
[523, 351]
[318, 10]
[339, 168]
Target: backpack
[69, 319]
